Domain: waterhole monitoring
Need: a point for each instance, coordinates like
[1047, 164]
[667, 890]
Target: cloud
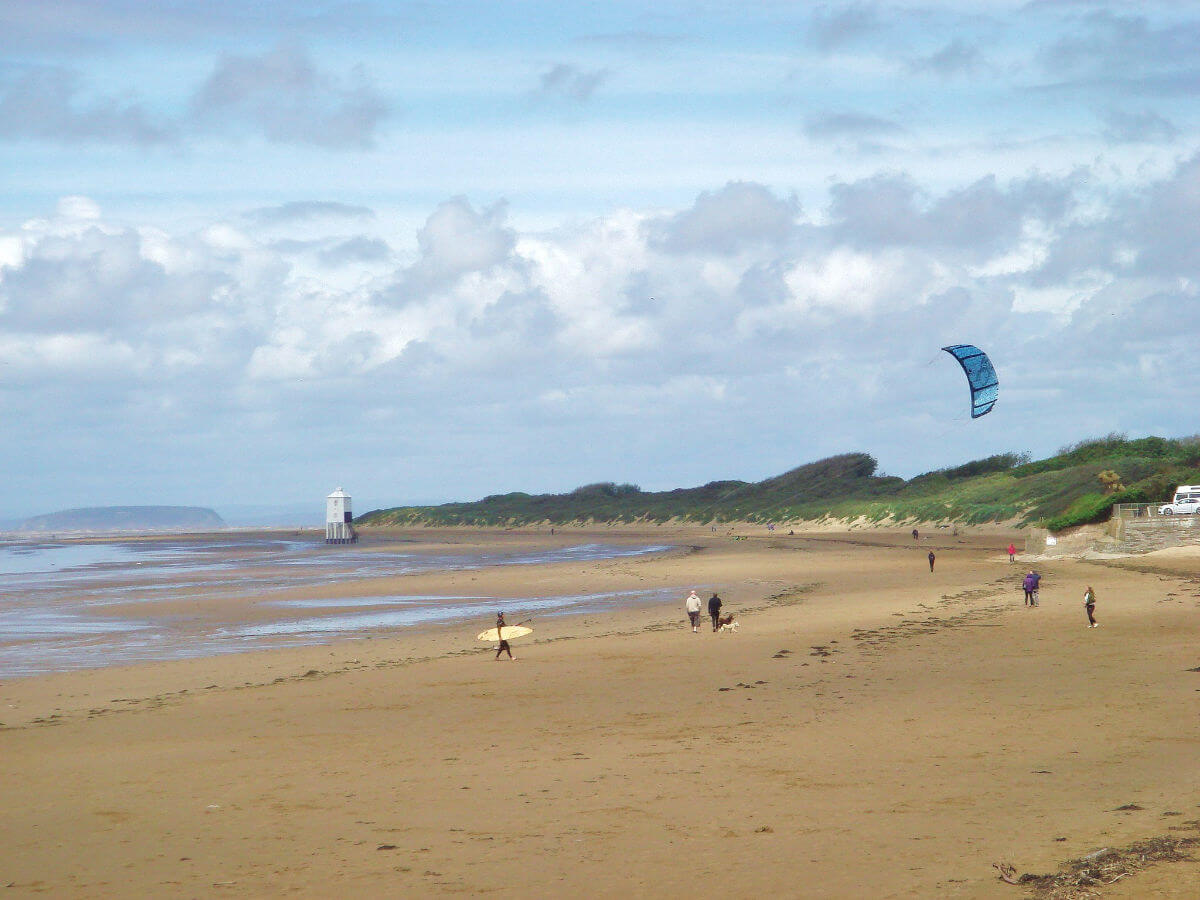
[833, 27]
[824, 125]
[356, 250]
[90, 25]
[1160, 227]
[1146, 126]
[98, 280]
[48, 103]
[727, 220]
[527, 316]
[455, 241]
[956, 58]
[726, 316]
[980, 220]
[1127, 53]
[283, 96]
[78, 207]
[568, 82]
[307, 210]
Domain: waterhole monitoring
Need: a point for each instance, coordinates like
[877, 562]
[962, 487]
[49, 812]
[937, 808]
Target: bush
[1001, 462]
[1093, 508]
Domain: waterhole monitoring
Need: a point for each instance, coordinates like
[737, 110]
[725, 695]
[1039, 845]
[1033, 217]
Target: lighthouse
[338, 518]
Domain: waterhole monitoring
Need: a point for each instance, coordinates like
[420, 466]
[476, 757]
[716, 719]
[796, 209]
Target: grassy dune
[1063, 490]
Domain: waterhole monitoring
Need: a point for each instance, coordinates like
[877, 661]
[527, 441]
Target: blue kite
[985, 386]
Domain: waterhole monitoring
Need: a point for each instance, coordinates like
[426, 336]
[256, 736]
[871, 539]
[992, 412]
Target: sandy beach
[871, 729]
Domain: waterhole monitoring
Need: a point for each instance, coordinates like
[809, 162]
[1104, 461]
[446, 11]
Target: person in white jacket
[692, 605]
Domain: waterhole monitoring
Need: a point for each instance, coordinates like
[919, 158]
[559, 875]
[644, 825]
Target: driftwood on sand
[1079, 877]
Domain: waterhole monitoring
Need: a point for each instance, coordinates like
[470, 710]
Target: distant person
[1089, 605]
[916, 535]
[1031, 582]
[503, 648]
[692, 605]
[932, 558]
[714, 610]
[1012, 552]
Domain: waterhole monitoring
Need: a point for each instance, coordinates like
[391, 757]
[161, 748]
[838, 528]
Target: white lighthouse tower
[338, 517]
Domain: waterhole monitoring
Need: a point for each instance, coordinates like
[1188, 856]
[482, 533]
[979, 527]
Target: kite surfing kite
[980, 376]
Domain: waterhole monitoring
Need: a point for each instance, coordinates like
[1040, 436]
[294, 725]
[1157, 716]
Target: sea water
[54, 595]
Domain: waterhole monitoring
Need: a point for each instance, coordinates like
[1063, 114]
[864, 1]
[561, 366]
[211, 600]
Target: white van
[1187, 500]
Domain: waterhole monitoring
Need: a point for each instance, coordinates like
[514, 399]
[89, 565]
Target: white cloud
[78, 208]
[660, 318]
[727, 220]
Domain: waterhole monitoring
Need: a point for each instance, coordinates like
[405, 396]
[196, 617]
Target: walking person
[1089, 604]
[1030, 584]
[714, 610]
[931, 560]
[692, 605]
[504, 647]
[1012, 552]
[916, 535]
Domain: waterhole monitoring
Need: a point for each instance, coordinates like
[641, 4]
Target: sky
[433, 251]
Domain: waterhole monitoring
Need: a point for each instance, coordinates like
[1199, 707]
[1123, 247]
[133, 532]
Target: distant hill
[127, 518]
[1063, 490]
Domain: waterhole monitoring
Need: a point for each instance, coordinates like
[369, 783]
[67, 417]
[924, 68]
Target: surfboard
[510, 632]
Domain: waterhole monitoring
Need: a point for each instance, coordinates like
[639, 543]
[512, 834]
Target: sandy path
[873, 730]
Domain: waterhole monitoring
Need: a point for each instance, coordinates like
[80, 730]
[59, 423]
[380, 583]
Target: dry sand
[872, 730]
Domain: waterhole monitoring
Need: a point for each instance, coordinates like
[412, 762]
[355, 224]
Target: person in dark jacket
[932, 559]
[714, 609]
[1030, 584]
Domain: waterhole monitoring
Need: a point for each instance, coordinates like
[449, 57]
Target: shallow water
[53, 596]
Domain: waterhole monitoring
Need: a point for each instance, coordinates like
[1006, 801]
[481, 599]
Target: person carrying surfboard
[503, 633]
[503, 648]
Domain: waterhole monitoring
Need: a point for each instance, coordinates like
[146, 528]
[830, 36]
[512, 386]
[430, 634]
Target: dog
[727, 623]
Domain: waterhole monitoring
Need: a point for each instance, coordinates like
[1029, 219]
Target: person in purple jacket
[1031, 587]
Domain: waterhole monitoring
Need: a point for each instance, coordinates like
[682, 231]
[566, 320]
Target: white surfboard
[510, 632]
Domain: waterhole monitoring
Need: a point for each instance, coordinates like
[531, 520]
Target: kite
[980, 375]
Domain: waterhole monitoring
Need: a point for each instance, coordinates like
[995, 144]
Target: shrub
[1093, 508]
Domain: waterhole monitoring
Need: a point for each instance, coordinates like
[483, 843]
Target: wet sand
[872, 729]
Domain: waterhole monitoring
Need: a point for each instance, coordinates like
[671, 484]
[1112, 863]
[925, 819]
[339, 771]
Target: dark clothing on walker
[714, 610]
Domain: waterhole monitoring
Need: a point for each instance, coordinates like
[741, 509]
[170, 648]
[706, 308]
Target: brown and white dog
[727, 623]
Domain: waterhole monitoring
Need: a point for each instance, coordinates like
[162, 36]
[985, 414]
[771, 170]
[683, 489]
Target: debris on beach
[1080, 877]
[1007, 872]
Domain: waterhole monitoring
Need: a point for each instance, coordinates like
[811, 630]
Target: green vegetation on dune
[1076, 486]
